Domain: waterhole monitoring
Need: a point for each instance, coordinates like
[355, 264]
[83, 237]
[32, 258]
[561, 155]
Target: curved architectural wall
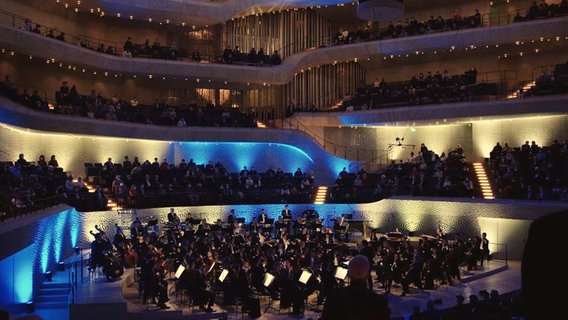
[75, 141]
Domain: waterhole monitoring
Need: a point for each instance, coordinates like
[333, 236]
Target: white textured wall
[542, 129]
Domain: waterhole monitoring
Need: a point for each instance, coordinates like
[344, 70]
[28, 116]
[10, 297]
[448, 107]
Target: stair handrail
[75, 268]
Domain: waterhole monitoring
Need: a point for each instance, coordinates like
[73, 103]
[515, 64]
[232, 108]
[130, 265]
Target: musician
[299, 225]
[286, 213]
[173, 218]
[231, 218]
[240, 238]
[257, 272]
[119, 239]
[304, 235]
[440, 235]
[386, 267]
[188, 219]
[341, 227]
[280, 227]
[149, 283]
[124, 248]
[326, 236]
[484, 254]
[98, 248]
[262, 217]
[203, 228]
[356, 301]
[254, 226]
[413, 275]
[368, 251]
[198, 287]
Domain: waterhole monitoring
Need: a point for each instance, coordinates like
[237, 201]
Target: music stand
[223, 275]
[281, 225]
[267, 282]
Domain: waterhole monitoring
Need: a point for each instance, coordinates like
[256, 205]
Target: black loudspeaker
[254, 307]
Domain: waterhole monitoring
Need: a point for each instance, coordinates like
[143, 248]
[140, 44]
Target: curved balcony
[549, 31]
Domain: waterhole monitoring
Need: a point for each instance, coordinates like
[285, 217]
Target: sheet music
[340, 273]
[305, 277]
[179, 271]
[223, 275]
[268, 278]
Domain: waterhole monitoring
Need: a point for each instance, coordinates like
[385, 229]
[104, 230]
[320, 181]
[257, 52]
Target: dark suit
[355, 302]
[542, 270]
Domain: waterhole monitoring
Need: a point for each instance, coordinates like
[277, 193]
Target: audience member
[356, 301]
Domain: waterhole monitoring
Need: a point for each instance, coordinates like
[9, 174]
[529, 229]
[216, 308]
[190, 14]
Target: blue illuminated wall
[262, 156]
[32, 245]
[261, 148]
[16, 282]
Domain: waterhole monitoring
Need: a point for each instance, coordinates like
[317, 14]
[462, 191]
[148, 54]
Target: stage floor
[96, 290]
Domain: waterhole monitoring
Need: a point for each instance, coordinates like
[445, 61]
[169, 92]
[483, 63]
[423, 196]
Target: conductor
[356, 301]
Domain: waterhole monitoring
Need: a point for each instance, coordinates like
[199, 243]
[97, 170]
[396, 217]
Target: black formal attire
[542, 272]
[355, 302]
[286, 214]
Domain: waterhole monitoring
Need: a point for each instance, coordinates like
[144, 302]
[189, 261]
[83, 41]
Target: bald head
[359, 268]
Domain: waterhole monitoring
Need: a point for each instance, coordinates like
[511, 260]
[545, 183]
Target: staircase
[53, 295]
[484, 182]
[112, 205]
[527, 86]
[321, 195]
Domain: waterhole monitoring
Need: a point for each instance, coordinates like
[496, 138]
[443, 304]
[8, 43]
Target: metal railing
[307, 43]
[501, 253]
[76, 272]
[367, 156]
[21, 206]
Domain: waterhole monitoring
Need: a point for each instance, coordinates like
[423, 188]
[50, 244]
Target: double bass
[126, 248]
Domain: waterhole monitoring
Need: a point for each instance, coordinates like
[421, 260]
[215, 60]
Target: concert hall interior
[245, 152]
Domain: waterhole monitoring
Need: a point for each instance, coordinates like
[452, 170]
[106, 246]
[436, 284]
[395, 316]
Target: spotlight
[30, 307]
[77, 250]
[61, 266]
[48, 276]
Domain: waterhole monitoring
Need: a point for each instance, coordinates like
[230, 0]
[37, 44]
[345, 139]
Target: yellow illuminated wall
[515, 131]
[72, 151]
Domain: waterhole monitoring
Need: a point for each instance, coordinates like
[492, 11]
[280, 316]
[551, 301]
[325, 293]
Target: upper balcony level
[546, 34]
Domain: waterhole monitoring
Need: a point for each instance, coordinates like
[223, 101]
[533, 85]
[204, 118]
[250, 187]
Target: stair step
[54, 285]
[53, 298]
[52, 305]
[53, 291]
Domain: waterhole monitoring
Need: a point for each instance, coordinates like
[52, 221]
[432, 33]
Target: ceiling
[210, 12]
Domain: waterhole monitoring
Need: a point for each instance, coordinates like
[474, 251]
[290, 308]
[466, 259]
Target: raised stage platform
[119, 299]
